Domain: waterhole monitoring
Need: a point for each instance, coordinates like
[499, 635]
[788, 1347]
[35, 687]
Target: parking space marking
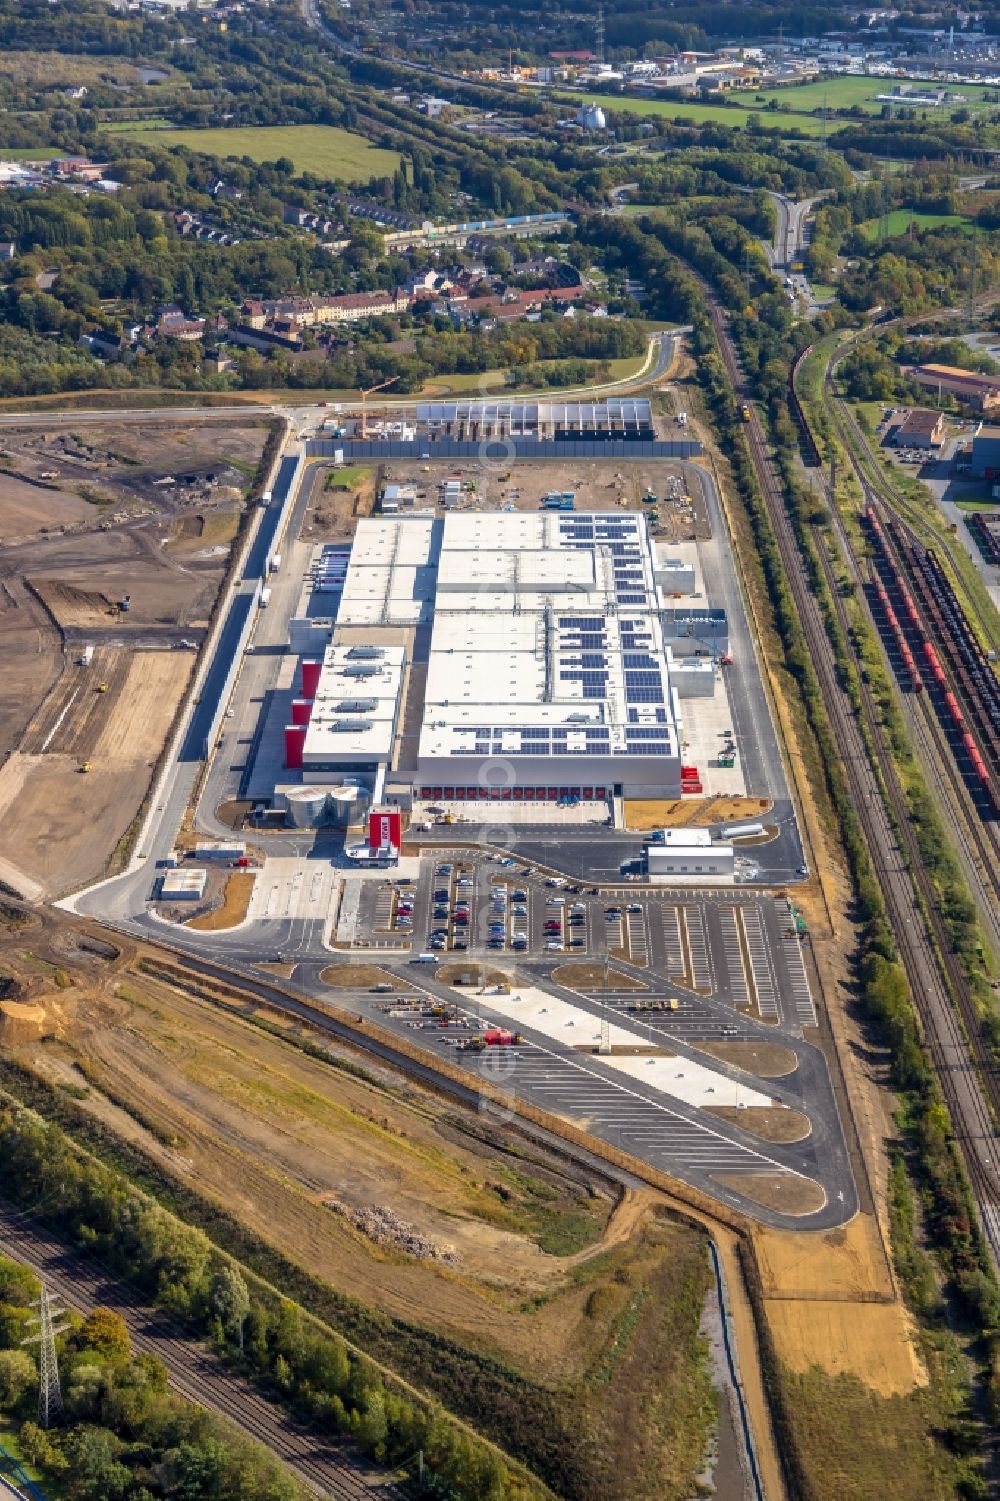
[798, 980]
[676, 968]
[614, 932]
[383, 908]
[732, 950]
[760, 964]
[700, 964]
[620, 1111]
[635, 925]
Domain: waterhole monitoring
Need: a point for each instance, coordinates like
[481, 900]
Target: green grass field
[347, 477]
[709, 114]
[794, 105]
[844, 92]
[900, 220]
[323, 149]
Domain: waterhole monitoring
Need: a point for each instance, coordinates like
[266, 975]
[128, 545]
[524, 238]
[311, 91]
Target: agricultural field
[848, 92]
[797, 108]
[325, 150]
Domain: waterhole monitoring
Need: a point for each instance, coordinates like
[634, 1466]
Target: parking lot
[655, 1097]
[746, 951]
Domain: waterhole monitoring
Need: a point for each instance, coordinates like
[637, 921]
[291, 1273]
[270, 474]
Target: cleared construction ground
[534, 1263]
[61, 823]
[86, 521]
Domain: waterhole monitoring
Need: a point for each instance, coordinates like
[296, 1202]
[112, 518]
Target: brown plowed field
[74, 714]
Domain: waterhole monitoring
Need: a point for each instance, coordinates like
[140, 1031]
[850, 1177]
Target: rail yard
[938, 981]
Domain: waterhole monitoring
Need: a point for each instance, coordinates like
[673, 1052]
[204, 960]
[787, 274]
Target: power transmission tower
[886, 197]
[48, 1320]
[599, 34]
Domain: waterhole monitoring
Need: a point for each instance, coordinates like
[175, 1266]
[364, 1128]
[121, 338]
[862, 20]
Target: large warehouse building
[504, 656]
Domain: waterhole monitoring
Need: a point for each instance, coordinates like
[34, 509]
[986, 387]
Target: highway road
[194, 1372]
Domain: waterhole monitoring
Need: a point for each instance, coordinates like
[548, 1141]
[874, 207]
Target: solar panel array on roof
[626, 414]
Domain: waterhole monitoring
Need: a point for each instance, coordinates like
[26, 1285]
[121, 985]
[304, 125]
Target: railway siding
[881, 809]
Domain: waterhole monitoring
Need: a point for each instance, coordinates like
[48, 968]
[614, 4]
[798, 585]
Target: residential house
[172, 323]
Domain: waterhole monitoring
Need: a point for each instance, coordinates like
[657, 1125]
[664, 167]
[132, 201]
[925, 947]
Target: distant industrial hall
[623, 418]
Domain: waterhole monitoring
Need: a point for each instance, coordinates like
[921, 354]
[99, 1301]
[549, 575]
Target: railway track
[81, 1282]
[870, 473]
[896, 865]
[970, 803]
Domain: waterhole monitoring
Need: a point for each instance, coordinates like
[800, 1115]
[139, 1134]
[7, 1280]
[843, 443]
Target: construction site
[109, 570]
[401, 1200]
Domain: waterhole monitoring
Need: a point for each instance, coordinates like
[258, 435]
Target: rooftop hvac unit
[360, 670]
[356, 705]
[348, 726]
[366, 651]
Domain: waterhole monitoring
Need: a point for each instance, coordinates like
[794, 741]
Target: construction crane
[364, 399]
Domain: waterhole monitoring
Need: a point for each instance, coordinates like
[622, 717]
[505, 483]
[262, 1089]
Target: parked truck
[275, 562]
[265, 598]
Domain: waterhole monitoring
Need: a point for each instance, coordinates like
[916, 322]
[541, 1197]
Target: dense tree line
[873, 369]
[269, 1337]
[122, 1435]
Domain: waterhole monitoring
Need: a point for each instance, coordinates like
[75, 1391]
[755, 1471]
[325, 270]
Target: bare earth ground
[598, 486]
[337, 501]
[769, 1060]
[59, 825]
[148, 512]
[31, 656]
[777, 1191]
[769, 1122]
[347, 976]
[813, 1286]
[26, 509]
[694, 812]
[232, 910]
[275, 1133]
[589, 976]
